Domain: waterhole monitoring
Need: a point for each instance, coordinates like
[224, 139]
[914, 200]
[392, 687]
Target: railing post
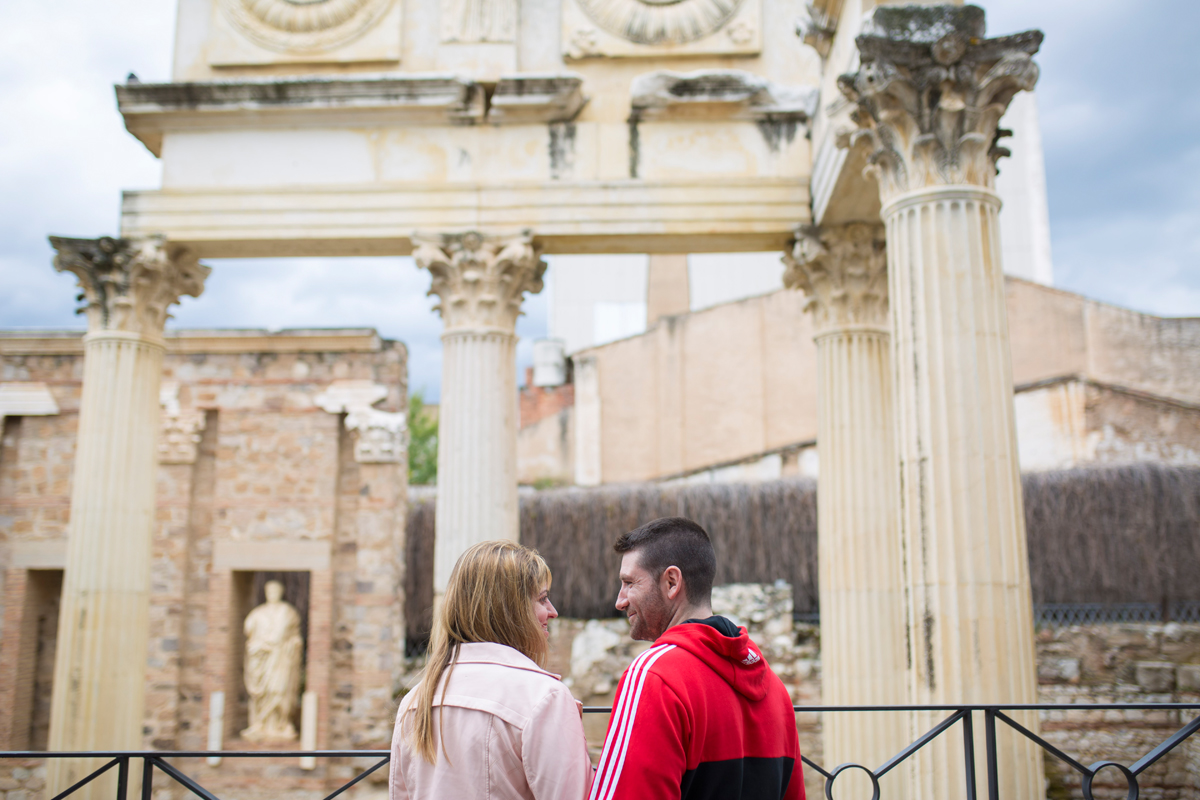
[123, 778]
[968, 727]
[147, 777]
[989, 730]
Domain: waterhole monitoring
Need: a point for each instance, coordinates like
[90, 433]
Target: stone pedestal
[929, 93]
[100, 668]
[843, 270]
[481, 281]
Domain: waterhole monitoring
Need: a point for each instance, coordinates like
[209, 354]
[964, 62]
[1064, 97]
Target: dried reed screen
[1096, 535]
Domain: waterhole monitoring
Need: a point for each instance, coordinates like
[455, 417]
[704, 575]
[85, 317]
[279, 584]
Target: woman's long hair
[489, 599]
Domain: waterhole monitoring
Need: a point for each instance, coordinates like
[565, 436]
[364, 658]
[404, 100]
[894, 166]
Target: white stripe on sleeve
[621, 746]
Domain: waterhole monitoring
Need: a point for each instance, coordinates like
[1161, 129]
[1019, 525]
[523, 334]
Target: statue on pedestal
[273, 649]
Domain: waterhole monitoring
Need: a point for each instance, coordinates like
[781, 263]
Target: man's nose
[622, 601]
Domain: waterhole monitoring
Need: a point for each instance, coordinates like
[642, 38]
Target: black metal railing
[157, 759]
[962, 716]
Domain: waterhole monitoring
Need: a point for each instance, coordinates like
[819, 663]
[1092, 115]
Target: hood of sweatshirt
[735, 658]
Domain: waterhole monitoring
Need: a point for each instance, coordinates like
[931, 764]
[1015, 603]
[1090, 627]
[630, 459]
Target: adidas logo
[751, 658]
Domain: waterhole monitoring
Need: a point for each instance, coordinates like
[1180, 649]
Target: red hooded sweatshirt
[701, 715]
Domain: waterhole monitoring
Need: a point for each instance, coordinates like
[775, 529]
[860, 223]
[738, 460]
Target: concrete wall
[733, 382]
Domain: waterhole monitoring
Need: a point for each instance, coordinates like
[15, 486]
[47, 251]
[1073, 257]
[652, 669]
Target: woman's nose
[553, 610]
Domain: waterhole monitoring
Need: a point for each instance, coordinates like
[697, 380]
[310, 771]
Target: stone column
[98, 699]
[481, 281]
[929, 93]
[843, 270]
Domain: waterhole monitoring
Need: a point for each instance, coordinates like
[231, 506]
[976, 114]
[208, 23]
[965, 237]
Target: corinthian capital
[843, 270]
[930, 92]
[128, 284]
[480, 279]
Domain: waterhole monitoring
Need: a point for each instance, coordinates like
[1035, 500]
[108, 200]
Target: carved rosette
[480, 279]
[655, 22]
[930, 92]
[303, 25]
[128, 284]
[843, 271]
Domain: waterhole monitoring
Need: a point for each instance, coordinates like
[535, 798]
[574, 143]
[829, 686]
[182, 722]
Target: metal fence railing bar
[961, 716]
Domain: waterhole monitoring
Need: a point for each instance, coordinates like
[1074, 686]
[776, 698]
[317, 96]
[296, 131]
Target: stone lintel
[533, 99]
[38, 554]
[150, 109]
[607, 216]
[349, 340]
[284, 555]
[26, 399]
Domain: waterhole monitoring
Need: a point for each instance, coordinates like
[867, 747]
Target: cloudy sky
[1119, 109]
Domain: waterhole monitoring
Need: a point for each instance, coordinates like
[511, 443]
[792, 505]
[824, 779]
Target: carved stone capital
[179, 439]
[929, 94]
[819, 25]
[128, 284]
[382, 435]
[181, 428]
[480, 279]
[843, 270]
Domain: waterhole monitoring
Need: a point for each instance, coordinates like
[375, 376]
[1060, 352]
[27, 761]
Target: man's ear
[671, 583]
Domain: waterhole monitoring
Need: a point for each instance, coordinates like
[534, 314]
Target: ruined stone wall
[255, 474]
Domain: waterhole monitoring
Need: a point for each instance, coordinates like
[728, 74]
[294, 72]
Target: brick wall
[540, 402]
[273, 484]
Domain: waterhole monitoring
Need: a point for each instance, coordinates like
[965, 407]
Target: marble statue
[273, 649]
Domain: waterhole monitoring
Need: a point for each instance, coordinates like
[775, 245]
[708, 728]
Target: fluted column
[929, 93]
[843, 270]
[481, 281]
[98, 699]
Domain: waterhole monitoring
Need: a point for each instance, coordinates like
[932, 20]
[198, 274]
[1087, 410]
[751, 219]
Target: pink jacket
[512, 732]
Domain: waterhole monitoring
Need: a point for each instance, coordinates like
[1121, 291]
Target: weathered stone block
[1059, 670]
[1188, 678]
[1155, 676]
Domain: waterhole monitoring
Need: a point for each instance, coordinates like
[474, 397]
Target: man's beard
[652, 619]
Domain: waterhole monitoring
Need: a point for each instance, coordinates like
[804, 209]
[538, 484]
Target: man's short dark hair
[674, 542]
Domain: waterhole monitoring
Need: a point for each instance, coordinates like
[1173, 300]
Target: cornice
[152, 109]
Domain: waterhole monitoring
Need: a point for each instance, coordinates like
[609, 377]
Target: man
[699, 714]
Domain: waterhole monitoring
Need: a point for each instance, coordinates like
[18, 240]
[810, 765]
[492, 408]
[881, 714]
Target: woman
[486, 720]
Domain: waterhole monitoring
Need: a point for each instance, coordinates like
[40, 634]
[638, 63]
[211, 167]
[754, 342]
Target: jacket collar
[501, 654]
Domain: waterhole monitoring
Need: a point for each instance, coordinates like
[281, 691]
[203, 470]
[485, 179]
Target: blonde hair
[489, 598]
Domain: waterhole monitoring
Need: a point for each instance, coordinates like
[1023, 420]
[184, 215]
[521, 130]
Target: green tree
[423, 441]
